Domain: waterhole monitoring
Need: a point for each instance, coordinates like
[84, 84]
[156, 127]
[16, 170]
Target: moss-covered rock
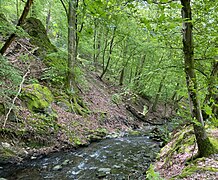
[97, 135]
[39, 38]
[37, 98]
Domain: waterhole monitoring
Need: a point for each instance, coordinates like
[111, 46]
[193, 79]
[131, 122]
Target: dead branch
[15, 98]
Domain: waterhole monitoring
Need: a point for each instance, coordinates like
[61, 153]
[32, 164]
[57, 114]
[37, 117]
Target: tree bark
[94, 44]
[20, 22]
[48, 18]
[188, 49]
[72, 51]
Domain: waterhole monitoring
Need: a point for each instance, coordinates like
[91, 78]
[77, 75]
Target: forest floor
[172, 162]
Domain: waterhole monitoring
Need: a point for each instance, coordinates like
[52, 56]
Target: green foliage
[57, 68]
[151, 174]
[10, 79]
[6, 27]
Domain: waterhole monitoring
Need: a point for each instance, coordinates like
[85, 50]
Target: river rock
[67, 161]
[57, 168]
[33, 157]
[6, 145]
[102, 172]
[116, 166]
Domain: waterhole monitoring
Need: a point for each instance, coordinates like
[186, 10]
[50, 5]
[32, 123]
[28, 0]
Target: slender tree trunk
[94, 44]
[205, 148]
[99, 34]
[110, 54]
[154, 106]
[124, 63]
[121, 76]
[48, 18]
[17, 8]
[72, 52]
[20, 22]
[139, 69]
[103, 56]
[104, 50]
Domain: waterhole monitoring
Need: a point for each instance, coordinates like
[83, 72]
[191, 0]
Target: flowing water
[110, 159]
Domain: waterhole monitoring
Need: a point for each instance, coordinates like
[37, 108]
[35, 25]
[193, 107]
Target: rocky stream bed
[125, 157]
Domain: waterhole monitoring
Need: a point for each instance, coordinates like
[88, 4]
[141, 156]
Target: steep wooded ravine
[44, 118]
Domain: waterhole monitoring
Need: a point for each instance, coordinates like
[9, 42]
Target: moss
[77, 141]
[37, 97]
[6, 154]
[36, 30]
[214, 142]
[188, 171]
[134, 133]
[181, 141]
[97, 135]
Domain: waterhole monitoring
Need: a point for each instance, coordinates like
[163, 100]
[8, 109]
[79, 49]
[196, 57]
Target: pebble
[6, 145]
[66, 162]
[33, 157]
[57, 168]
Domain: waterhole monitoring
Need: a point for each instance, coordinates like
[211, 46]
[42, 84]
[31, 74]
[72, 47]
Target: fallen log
[140, 116]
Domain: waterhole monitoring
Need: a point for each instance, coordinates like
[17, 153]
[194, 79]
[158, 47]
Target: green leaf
[208, 110]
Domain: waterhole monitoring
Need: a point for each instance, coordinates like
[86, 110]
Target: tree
[72, 49]
[20, 22]
[72, 43]
[188, 49]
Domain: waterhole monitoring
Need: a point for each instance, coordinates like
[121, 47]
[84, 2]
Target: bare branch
[15, 98]
[65, 8]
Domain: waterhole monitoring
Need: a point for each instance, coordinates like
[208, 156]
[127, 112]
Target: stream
[110, 159]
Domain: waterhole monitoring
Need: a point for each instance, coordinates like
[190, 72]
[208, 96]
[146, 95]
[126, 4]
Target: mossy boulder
[37, 98]
[97, 135]
[39, 38]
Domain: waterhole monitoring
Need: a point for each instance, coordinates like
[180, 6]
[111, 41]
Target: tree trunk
[95, 44]
[154, 106]
[139, 70]
[17, 8]
[72, 51]
[20, 22]
[110, 54]
[48, 18]
[205, 148]
[121, 76]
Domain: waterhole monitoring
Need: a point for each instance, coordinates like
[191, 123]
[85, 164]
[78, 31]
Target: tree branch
[20, 22]
[15, 98]
[65, 8]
